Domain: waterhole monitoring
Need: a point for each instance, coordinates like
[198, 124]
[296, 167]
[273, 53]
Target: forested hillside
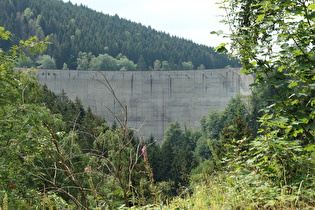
[81, 34]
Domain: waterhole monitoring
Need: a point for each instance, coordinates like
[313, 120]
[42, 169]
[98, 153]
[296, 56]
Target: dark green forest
[76, 30]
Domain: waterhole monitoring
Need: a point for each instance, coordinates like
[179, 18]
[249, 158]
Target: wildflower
[87, 170]
[144, 151]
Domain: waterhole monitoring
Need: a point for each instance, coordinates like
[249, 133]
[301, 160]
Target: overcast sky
[192, 20]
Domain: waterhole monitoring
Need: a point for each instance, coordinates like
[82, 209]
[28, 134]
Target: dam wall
[153, 98]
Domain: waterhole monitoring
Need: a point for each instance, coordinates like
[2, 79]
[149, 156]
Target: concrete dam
[153, 98]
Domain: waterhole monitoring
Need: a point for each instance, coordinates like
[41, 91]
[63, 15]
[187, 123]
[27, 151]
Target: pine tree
[141, 65]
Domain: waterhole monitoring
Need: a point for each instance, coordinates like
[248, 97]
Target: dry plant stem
[58, 189]
[107, 84]
[66, 170]
[125, 143]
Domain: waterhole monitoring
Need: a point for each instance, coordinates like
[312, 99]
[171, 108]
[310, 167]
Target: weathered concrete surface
[154, 98]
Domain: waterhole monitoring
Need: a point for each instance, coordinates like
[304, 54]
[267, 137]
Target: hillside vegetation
[76, 29]
[258, 153]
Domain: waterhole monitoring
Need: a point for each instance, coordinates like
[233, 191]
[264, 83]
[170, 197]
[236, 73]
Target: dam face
[153, 98]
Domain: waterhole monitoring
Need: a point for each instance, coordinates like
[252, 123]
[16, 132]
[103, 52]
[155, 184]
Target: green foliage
[274, 41]
[23, 132]
[5, 35]
[201, 67]
[118, 155]
[83, 60]
[174, 160]
[234, 141]
[282, 61]
[46, 62]
[65, 66]
[154, 158]
[124, 64]
[187, 65]
[203, 149]
[47, 159]
[25, 62]
[157, 65]
[87, 125]
[141, 65]
[212, 125]
[87, 61]
[241, 190]
[103, 62]
[165, 66]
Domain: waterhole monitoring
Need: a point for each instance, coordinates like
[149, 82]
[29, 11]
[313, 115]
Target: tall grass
[231, 190]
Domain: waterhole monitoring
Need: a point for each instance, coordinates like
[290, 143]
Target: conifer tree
[141, 65]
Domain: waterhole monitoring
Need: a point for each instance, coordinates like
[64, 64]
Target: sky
[193, 20]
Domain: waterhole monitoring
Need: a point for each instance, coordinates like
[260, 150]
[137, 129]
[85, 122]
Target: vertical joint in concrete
[151, 85]
[131, 84]
[170, 86]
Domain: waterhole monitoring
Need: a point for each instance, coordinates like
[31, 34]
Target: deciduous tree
[274, 41]
[46, 62]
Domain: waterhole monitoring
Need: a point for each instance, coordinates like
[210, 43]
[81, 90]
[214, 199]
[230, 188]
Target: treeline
[76, 29]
